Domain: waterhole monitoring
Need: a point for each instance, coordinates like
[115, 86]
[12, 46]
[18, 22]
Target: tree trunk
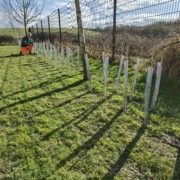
[25, 17]
[25, 29]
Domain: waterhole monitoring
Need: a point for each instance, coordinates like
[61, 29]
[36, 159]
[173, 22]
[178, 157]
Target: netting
[139, 25]
[126, 27]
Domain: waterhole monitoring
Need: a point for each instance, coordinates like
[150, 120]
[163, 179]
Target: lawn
[51, 127]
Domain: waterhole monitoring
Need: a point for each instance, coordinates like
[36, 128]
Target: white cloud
[4, 22]
[58, 4]
[130, 12]
[99, 13]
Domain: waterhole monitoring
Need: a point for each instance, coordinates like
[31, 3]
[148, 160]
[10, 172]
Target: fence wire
[116, 27]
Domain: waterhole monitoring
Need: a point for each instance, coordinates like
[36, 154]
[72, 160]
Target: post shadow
[9, 56]
[43, 67]
[5, 77]
[176, 175]
[4, 80]
[23, 101]
[116, 167]
[58, 105]
[77, 119]
[42, 84]
[90, 143]
[21, 73]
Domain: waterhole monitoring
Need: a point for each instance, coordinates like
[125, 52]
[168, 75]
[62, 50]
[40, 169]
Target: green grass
[17, 33]
[51, 127]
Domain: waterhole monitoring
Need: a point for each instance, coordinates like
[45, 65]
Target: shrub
[7, 40]
[169, 52]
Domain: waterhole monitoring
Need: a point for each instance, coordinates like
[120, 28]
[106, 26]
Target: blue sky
[49, 6]
[99, 14]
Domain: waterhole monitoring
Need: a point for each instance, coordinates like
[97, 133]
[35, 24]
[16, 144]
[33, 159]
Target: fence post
[37, 31]
[33, 32]
[60, 33]
[78, 63]
[49, 29]
[42, 31]
[78, 38]
[114, 31]
[82, 39]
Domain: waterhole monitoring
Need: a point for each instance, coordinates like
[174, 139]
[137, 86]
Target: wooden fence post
[60, 33]
[114, 31]
[37, 32]
[42, 32]
[49, 29]
[81, 38]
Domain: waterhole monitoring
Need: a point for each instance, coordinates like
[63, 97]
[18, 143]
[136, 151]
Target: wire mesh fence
[124, 30]
[126, 27]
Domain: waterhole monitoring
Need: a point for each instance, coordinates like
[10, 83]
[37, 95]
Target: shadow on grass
[169, 96]
[79, 118]
[6, 74]
[115, 168]
[32, 62]
[23, 101]
[5, 78]
[42, 84]
[90, 143]
[9, 56]
[21, 72]
[44, 66]
[44, 76]
[176, 175]
[57, 106]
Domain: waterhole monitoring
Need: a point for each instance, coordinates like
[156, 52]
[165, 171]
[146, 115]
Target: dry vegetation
[4, 39]
[170, 55]
[157, 42]
[150, 42]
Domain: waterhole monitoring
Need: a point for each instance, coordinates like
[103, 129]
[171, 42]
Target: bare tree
[23, 12]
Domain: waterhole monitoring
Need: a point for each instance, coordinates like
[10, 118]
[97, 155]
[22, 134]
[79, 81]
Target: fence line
[124, 29]
[65, 59]
[139, 24]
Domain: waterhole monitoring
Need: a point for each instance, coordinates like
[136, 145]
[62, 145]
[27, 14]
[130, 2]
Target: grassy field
[51, 127]
[17, 33]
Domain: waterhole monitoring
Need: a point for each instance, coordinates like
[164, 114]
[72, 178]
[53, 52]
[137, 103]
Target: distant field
[18, 32]
[69, 30]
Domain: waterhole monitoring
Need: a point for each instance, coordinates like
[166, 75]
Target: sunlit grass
[52, 127]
